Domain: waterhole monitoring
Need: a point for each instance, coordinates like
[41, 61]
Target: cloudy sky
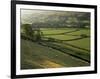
[31, 16]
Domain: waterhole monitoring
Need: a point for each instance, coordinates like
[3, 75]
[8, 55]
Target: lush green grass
[55, 31]
[71, 50]
[83, 43]
[82, 31]
[62, 37]
[34, 55]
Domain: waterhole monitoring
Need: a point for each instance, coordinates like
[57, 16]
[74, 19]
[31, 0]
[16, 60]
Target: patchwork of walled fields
[59, 47]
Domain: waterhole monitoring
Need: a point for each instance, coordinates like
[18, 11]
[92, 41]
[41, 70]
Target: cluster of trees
[30, 33]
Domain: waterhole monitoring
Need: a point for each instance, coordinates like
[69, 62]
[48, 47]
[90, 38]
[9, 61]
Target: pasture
[58, 47]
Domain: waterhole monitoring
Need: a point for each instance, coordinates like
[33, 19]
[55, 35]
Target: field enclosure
[58, 47]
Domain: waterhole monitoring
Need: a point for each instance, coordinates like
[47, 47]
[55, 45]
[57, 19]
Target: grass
[83, 43]
[82, 31]
[62, 37]
[56, 30]
[35, 55]
[72, 50]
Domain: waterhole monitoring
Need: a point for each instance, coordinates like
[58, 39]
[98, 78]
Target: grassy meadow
[59, 47]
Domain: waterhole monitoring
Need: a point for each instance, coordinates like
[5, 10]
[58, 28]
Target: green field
[58, 47]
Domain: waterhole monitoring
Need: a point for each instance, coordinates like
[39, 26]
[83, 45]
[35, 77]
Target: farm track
[59, 48]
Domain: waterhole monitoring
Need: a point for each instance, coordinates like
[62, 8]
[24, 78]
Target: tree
[27, 30]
